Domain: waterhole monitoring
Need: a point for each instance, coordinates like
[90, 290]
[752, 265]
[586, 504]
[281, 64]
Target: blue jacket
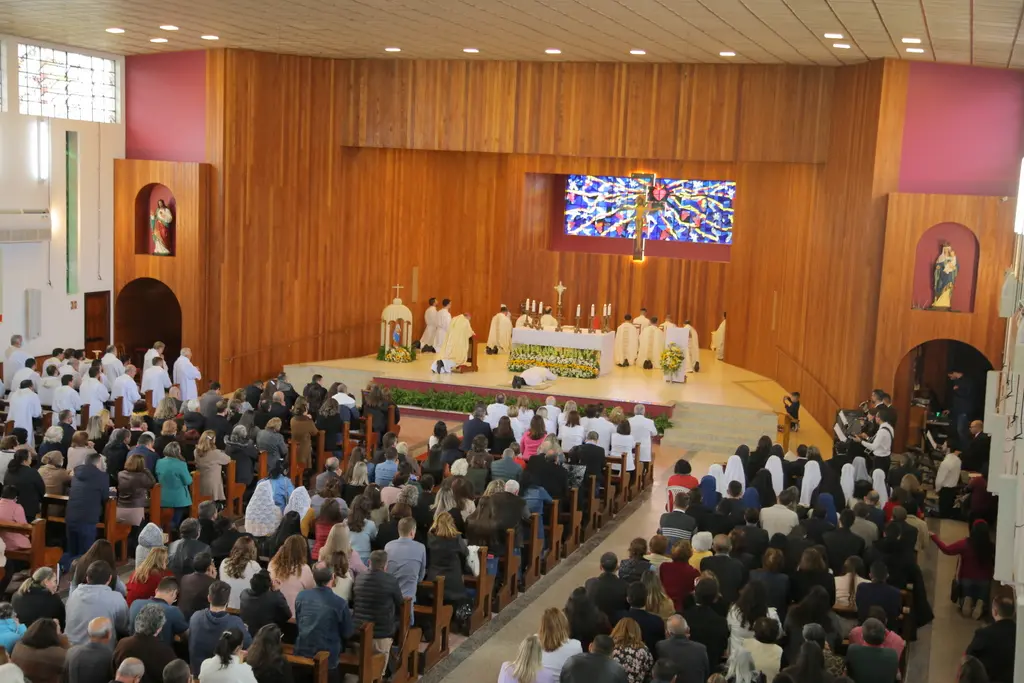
[148, 454]
[174, 483]
[90, 489]
[283, 488]
[175, 624]
[324, 622]
[384, 472]
[11, 633]
[536, 498]
[204, 631]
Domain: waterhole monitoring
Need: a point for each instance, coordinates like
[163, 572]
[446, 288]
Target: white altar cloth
[600, 341]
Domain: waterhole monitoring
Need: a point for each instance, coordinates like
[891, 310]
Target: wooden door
[97, 322]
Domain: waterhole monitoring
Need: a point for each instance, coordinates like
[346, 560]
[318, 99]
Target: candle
[577, 310]
[592, 310]
[533, 306]
[540, 307]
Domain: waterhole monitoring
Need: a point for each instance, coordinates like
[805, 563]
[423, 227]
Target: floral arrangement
[396, 354]
[564, 362]
[671, 359]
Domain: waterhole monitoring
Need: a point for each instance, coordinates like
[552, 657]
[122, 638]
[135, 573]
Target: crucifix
[560, 288]
[397, 289]
[642, 206]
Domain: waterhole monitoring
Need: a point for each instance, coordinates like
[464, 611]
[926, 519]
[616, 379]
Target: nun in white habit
[812, 478]
[878, 482]
[734, 472]
[860, 469]
[778, 478]
[846, 480]
[719, 475]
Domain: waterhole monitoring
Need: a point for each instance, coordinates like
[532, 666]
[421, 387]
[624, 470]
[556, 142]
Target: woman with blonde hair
[168, 434]
[211, 462]
[98, 429]
[238, 568]
[339, 543]
[167, 409]
[518, 428]
[563, 417]
[496, 486]
[555, 640]
[37, 598]
[658, 601]
[526, 668]
[290, 568]
[147, 576]
[631, 652]
[446, 556]
[616, 416]
[523, 411]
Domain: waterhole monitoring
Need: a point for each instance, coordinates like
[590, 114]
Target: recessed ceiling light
[841, 46]
[553, 51]
[834, 36]
[915, 50]
[912, 41]
[727, 53]
[158, 40]
[470, 50]
[392, 49]
[638, 52]
[115, 30]
[210, 37]
[168, 27]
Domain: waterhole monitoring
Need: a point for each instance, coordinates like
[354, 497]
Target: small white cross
[560, 288]
[397, 287]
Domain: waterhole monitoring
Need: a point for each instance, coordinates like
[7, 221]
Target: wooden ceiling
[982, 32]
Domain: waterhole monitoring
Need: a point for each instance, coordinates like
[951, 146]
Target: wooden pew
[618, 496]
[483, 585]
[39, 555]
[83, 416]
[510, 564]
[261, 465]
[233, 491]
[440, 615]
[295, 470]
[155, 511]
[119, 419]
[553, 533]
[321, 453]
[607, 498]
[52, 510]
[636, 480]
[533, 552]
[197, 497]
[574, 519]
[150, 407]
[408, 641]
[593, 511]
[350, 440]
[365, 663]
[8, 427]
[649, 483]
[393, 426]
[318, 664]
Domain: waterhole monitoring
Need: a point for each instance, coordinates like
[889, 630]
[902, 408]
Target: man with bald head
[689, 657]
[329, 475]
[975, 455]
[131, 671]
[91, 662]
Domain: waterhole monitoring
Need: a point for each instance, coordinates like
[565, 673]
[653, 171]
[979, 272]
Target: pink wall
[963, 130]
[965, 246]
[165, 106]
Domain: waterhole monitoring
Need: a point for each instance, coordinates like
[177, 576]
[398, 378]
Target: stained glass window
[66, 85]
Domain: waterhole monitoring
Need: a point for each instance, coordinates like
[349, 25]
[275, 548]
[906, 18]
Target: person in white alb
[186, 374]
[27, 373]
[880, 446]
[947, 483]
[126, 389]
[429, 326]
[641, 321]
[156, 379]
[597, 422]
[496, 411]
[444, 321]
[156, 351]
[66, 397]
[24, 405]
[537, 376]
[55, 360]
[14, 360]
[499, 337]
[622, 444]
[554, 412]
[70, 368]
[112, 367]
[93, 392]
[49, 385]
[643, 430]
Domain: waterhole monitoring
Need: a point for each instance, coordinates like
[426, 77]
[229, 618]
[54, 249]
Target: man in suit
[607, 590]
[731, 573]
[593, 666]
[842, 543]
[652, 626]
[755, 537]
[67, 428]
[253, 393]
[909, 535]
[208, 401]
[689, 657]
[474, 426]
[975, 457]
[994, 644]
[590, 455]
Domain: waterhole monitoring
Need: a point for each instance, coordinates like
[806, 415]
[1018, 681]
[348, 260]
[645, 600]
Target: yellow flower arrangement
[671, 359]
[564, 362]
[398, 354]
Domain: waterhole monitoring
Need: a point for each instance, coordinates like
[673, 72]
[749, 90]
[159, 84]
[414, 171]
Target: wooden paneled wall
[185, 272]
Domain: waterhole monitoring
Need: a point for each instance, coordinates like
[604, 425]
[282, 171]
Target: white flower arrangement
[564, 362]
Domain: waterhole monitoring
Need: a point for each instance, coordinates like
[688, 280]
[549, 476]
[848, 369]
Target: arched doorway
[147, 311]
[922, 389]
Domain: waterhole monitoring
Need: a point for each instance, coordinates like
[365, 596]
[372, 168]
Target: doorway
[147, 311]
[97, 322]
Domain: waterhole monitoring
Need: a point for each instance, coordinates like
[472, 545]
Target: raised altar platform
[590, 353]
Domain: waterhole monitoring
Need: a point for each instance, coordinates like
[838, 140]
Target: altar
[586, 355]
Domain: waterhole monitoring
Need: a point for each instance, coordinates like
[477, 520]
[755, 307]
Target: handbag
[473, 560]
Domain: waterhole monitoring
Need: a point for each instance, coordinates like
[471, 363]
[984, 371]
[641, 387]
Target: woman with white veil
[778, 478]
[878, 482]
[860, 469]
[847, 481]
[719, 475]
[812, 477]
[734, 472]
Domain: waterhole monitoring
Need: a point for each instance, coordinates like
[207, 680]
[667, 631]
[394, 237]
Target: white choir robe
[156, 379]
[47, 389]
[147, 360]
[125, 387]
[641, 321]
[185, 376]
[522, 320]
[667, 325]
[548, 322]
[52, 360]
[457, 341]
[430, 327]
[495, 412]
[94, 394]
[718, 341]
[652, 343]
[70, 370]
[112, 369]
[14, 360]
[555, 413]
[605, 429]
[23, 406]
[642, 429]
[627, 341]
[500, 334]
[694, 349]
[24, 374]
[444, 321]
[66, 398]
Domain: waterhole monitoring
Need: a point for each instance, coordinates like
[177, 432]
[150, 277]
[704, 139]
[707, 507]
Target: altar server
[186, 374]
[693, 355]
[66, 397]
[652, 343]
[444, 321]
[499, 338]
[643, 430]
[126, 389]
[430, 326]
[627, 340]
[23, 406]
[523, 318]
[156, 379]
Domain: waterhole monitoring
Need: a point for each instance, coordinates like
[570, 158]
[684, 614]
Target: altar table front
[552, 341]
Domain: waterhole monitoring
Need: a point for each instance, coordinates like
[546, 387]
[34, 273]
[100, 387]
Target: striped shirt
[677, 526]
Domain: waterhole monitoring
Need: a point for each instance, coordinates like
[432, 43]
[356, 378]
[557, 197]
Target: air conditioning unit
[24, 225]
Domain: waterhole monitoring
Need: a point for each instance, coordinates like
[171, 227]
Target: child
[792, 403]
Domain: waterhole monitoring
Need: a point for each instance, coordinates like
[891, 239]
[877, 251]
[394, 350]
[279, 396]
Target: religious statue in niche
[944, 278]
[161, 228]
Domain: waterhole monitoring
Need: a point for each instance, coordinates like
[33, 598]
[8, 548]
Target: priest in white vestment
[24, 405]
[49, 386]
[499, 338]
[548, 321]
[156, 379]
[522, 320]
[444, 322]
[718, 340]
[668, 324]
[66, 398]
[652, 343]
[457, 340]
[429, 327]
[126, 389]
[14, 360]
[643, 429]
[186, 374]
[112, 367]
[27, 372]
[537, 376]
[156, 351]
[627, 341]
[693, 350]
[641, 321]
[93, 392]
[55, 360]
[70, 369]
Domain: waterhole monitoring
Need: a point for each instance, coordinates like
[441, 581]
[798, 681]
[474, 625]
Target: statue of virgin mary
[944, 278]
